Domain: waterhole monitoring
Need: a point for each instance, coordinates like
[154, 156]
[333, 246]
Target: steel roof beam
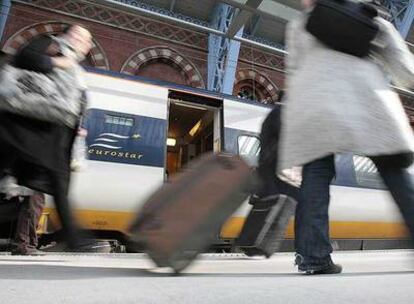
[269, 8]
[408, 19]
[205, 29]
[255, 24]
[4, 10]
[242, 17]
[172, 5]
[223, 53]
[402, 14]
[190, 25]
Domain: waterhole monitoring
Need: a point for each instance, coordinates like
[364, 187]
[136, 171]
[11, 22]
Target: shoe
[328, 267]
[91, 247]
[331, 268]
[253, 252]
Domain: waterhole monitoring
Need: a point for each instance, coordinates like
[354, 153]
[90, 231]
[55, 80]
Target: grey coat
[338, 103]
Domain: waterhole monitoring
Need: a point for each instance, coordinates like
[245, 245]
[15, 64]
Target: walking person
[270, 186]
[38, 152]
[340, 103]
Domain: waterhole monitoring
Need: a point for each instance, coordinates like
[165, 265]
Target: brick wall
[122, 37]
[118, 44]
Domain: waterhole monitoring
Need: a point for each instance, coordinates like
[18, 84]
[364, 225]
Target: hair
[69, 26]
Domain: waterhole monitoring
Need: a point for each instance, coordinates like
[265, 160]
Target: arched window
[163, 63]
[253, 85]
[96, 58]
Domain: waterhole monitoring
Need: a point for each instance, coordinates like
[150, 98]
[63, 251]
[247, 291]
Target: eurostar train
[141, 132]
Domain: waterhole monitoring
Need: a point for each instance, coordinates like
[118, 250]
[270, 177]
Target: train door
[194, 128]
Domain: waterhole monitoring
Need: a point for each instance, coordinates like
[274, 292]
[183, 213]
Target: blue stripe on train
[125, 138]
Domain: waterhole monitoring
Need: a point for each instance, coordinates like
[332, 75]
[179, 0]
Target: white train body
[128, 124]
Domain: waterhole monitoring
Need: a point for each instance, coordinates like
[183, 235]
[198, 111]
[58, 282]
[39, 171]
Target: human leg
[401, 186]
[312, 240]
[25, 239]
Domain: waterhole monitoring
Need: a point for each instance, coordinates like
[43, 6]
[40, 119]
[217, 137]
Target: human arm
[40, 55]
[392, 51]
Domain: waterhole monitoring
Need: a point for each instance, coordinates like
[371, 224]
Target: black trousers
[269, 183]
[38, 155]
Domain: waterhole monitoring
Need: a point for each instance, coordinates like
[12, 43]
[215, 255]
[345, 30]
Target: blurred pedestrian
[341, 103]
[37, 152]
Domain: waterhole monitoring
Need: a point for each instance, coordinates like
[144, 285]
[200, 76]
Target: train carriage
[141, 132]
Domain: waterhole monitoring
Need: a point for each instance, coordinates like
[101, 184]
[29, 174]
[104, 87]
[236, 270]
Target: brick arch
[22, 37]
[163, 53]
[271, 91]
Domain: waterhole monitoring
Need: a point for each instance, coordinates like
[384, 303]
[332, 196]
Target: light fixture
[194, 130]
[171, 142]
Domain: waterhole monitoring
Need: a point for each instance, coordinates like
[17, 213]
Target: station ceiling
[262, 19]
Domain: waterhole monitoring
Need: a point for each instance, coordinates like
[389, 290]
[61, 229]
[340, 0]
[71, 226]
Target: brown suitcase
[184, 216]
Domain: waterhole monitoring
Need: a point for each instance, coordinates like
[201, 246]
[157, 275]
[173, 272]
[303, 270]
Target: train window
[118, 120]
[249, 148]
[366, 173]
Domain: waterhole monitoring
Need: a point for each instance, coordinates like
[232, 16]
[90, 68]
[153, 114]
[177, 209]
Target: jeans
[312, 240]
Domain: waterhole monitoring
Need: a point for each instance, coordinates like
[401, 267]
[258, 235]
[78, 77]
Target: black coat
[32, 150]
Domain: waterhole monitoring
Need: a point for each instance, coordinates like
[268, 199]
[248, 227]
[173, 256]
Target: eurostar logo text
[112, 141]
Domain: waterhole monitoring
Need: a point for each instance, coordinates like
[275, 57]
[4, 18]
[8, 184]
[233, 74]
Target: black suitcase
[264, 229]
[265, 226]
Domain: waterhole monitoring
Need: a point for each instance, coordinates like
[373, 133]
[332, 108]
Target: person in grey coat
[338, 103]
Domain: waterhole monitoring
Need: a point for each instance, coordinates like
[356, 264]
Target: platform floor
[368, 277]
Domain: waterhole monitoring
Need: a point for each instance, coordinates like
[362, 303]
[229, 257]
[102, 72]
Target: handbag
[344, 25]
[79, 152]
[52, 97]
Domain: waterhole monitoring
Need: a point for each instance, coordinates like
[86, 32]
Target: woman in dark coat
[38, 153]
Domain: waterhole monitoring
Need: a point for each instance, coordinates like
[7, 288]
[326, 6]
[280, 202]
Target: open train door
[194, 128]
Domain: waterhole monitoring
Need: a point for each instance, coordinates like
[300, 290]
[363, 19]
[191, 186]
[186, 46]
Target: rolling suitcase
[184, 216]
[265, 226]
